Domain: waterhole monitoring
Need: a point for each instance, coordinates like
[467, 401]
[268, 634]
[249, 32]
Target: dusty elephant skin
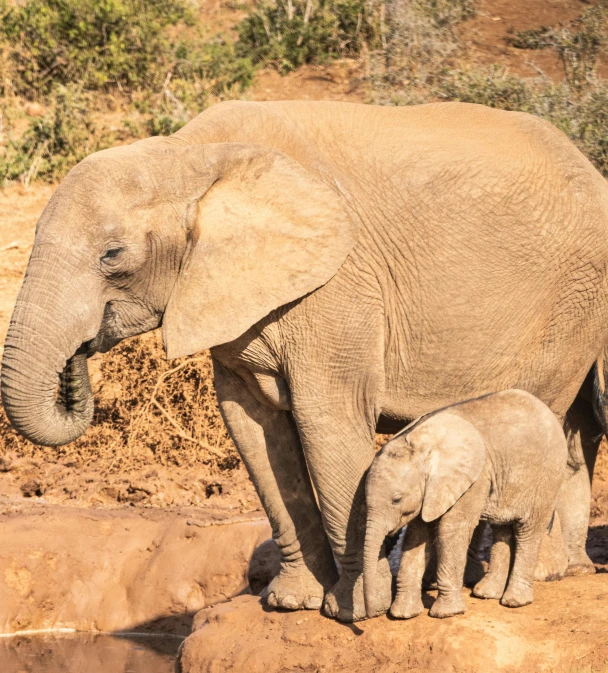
[500, 458]
[352, 267]
[120, 570]
[556, 633]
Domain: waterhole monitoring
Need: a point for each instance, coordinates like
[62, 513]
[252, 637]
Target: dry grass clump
[148, 411]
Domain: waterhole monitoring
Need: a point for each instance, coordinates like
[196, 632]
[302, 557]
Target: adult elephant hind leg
[269, 445]
[584, 435]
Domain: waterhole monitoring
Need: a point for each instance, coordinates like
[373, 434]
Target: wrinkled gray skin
[352, 267]
[500, 458]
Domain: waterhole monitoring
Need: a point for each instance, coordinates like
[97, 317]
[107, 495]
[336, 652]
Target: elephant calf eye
[111, 254]
[397, 499]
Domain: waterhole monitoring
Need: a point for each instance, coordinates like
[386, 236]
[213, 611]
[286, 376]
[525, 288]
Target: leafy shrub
[99, 43]
[420, 44]
[53, 143]
[289, 33]
[445, 13]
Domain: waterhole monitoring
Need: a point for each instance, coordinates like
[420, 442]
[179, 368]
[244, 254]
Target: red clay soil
[486, 33]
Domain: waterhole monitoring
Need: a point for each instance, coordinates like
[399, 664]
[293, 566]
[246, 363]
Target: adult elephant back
[352, 267]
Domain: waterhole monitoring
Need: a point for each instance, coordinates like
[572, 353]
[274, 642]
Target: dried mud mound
[146, 570]
[565, 630]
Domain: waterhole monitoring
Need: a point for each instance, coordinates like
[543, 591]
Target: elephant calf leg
[408, 601]
[493, 583]
[269, 445]
[453, 539]
[528, 537]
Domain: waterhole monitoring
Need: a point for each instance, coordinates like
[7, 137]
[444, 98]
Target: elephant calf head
[205, 240]
[422, 471]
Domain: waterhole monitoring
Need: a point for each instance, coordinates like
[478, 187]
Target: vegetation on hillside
[426, 61]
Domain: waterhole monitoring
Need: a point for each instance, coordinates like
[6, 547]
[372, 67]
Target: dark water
[88, 653]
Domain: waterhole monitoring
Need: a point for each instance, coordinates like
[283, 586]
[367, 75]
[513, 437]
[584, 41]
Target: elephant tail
[600, 390]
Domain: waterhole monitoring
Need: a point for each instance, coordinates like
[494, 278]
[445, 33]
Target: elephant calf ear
[456, 456]
[266, 232]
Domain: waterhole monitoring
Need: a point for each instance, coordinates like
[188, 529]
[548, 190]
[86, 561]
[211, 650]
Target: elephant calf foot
[448, 606]
[517, 596]
[345, 602]
[491, 586]
[406, 606]
[296, 588]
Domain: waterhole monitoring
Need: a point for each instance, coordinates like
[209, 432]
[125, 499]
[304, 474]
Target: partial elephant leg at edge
[584, 436]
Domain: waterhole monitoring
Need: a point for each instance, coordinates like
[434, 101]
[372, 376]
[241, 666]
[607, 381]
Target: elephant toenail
[313, 603]
[290, 602]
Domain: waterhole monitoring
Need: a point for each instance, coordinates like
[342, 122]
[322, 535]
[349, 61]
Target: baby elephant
[500, 458]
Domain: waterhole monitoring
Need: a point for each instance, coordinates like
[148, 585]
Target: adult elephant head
[204, 239]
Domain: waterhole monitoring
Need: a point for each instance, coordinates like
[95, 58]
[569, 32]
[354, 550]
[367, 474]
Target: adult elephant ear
[263, 231]
[455, 456]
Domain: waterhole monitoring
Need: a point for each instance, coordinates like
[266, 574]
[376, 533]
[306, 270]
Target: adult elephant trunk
[46, 390]
[374, 539]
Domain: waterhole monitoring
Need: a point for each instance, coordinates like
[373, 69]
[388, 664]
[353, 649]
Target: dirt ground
[559, 632]
[158, 456]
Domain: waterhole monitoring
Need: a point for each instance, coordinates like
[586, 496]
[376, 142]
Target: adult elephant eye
[397, 499]
[111, 254]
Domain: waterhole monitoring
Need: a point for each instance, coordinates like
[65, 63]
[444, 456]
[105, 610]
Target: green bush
[98, 43]
[289, 33]
[53, 143]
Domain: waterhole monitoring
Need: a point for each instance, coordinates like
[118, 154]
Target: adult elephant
[352, 267]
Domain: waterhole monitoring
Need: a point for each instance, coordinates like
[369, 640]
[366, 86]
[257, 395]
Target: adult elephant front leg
[269, 445]
[338, 441]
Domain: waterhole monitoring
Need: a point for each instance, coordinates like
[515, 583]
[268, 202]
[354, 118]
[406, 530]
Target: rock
[563, 630]
[116, 570]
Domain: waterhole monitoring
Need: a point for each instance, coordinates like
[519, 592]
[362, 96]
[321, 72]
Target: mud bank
[123, 570]
[565, 630]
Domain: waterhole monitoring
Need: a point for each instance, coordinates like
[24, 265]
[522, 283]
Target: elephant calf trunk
[374, 540]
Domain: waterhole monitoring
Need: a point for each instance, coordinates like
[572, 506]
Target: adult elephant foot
[552, 561]
[345, 602]
[298, 588]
